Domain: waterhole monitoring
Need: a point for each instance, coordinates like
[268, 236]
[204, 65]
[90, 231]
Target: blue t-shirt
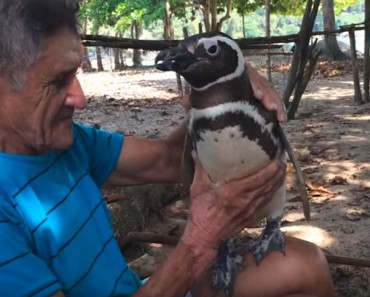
[55, 228]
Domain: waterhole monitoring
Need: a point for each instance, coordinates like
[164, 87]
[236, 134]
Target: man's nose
[75, 95]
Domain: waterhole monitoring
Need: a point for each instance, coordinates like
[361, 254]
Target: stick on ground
[148, 237]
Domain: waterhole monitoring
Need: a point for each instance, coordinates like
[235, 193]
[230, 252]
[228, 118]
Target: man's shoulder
[95, 139]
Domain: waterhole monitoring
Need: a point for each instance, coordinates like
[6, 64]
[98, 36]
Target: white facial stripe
[241, 62]
[245, 107]
[208, 42]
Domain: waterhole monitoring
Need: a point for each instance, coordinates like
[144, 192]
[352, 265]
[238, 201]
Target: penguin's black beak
[174, 59]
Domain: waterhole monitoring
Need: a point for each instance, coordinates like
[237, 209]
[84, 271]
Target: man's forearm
[175, 146]
[176, 275]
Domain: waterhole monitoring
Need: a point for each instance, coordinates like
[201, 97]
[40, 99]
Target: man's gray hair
[24, 24]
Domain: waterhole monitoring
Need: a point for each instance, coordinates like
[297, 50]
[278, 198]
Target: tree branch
[213, 10]
[226, 16]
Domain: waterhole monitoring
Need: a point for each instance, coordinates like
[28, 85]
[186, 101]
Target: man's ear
[13, 82]
[8, 86]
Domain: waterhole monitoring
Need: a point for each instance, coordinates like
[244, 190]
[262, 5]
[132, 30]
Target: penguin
[232, 134]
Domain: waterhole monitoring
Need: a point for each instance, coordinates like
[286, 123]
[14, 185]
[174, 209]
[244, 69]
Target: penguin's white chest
[226, 152]
[226, 155]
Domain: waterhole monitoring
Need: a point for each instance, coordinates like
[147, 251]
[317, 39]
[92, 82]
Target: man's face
[39, 117]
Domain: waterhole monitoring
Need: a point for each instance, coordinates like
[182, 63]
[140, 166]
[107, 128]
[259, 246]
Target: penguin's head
[204, 60]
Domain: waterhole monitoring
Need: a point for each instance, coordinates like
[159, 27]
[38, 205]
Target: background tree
[332, 49]
[98, 13]
[169, 33]
[211, 11]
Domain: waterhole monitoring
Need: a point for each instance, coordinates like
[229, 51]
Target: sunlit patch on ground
[310, 233]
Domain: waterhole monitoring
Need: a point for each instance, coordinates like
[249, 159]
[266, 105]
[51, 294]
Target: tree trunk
[268, 34]
[200, 28]
[99, 60]
[169, 35]
[366, 52]
[117, 63]
[229, 6]
[135, 34]
[121, 59]
[207, 21]
[213, 12]
[243, 19]
[168, 27]
[332, 49]
[187, 87]
[86, 63]
[210, 18]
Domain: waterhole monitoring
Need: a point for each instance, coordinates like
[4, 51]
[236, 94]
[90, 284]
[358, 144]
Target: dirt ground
[330, 137]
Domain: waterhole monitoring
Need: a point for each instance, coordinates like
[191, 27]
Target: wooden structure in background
[303, 62]
[300, 59]
[366, 52]
[356, 75]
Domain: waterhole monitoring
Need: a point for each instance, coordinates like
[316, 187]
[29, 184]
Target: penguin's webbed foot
[228, 264]
[271, 239]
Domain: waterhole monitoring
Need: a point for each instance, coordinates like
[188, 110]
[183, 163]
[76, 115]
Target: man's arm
[150, 161]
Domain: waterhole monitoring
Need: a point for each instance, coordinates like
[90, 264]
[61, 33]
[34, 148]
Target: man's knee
[310, 269]
[302, 270]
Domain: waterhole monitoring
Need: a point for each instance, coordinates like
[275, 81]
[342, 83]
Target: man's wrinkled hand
[219, 211]
[266, 93]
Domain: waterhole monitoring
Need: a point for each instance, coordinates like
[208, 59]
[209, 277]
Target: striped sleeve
[22, 273]
[103, 148]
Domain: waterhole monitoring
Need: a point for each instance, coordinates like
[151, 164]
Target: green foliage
[286, 18]
[120, 14]
[340, 5]
[98, 13]
[287, 7]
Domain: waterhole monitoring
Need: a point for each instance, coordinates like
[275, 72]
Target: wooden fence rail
[158, 45]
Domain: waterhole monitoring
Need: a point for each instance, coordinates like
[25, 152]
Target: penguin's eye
[209, 46]
[212, 50]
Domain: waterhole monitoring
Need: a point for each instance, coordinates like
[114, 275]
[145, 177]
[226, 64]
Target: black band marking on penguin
[244, 122]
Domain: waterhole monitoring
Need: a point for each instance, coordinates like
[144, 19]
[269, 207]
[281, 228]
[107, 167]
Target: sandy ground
[330, 137]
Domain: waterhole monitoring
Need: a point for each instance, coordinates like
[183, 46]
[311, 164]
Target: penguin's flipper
[187, 163]
[271, 239]
[300, 177]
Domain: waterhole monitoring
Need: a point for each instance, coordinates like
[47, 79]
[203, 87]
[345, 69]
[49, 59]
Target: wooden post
[356, 77]
[187, 85]
[302, 84]
[268, 35]
[366, 52]
[302, 47]
[200, 28]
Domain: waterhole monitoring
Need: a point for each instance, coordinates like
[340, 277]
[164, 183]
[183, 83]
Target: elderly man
[55, 229]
